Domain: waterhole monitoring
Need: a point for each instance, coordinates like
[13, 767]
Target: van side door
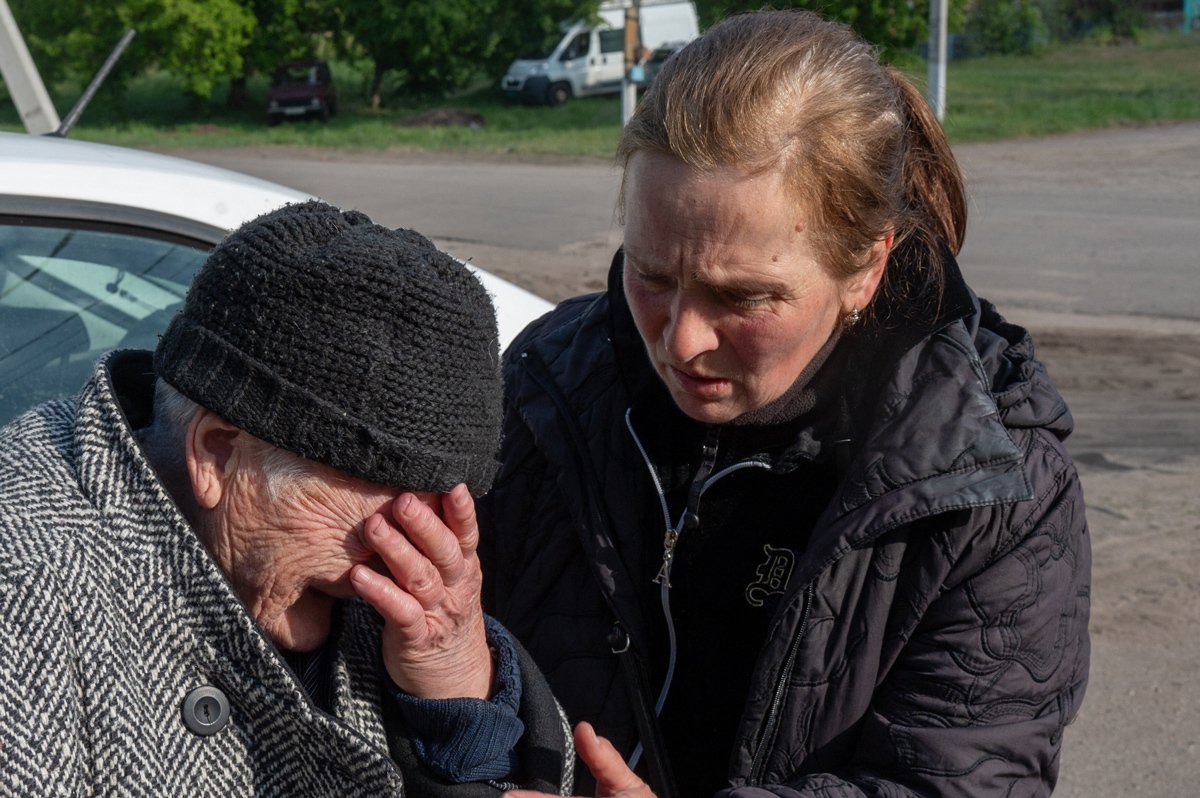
[607, 63]
[574, 61]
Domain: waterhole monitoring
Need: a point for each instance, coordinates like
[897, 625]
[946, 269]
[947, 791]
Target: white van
[591, 60]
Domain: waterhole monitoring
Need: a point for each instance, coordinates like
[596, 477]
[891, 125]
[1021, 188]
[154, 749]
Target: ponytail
[932, 220]
[932, 180]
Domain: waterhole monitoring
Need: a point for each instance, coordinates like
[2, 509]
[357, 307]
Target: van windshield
[541, 51]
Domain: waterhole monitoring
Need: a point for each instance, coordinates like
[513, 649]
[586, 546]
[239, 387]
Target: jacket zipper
[771, 722]
[688, 520]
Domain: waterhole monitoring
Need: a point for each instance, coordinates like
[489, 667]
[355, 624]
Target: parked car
[301, 89]
[98, 245]
[657, 58]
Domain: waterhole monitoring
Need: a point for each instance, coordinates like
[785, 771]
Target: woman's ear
[209, 446]
[861, 288]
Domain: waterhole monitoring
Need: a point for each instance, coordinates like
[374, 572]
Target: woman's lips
[698, 385]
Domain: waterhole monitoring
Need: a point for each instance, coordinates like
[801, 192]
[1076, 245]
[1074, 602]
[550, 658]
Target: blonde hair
[860, 150]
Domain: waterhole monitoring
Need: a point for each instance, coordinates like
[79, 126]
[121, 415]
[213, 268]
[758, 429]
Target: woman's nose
[690, 331]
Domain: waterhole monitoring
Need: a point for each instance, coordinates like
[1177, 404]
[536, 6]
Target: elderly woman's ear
[210, 449]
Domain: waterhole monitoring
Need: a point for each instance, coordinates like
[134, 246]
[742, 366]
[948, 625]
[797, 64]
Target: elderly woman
[182, 563]
[786, 510]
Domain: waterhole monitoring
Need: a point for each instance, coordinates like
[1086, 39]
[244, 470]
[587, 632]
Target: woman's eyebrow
[744, 284]
[737, 283]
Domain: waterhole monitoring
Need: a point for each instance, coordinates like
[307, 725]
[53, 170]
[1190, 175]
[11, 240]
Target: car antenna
[70, 119]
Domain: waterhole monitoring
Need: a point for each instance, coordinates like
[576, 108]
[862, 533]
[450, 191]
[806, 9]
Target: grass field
[1072, 87]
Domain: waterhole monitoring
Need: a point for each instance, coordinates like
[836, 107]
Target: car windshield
[295, 76]
[68, 295]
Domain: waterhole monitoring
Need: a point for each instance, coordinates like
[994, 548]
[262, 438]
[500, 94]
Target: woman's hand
[613, 778]
[433, 637]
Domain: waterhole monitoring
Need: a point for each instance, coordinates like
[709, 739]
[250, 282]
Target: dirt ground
[1136, 399]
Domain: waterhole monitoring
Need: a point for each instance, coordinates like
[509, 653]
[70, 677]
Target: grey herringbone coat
[111, 611]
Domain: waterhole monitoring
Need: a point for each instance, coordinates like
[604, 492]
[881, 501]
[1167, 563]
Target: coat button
[205, 710]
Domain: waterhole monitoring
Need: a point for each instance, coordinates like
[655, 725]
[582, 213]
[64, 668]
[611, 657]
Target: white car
[98, 245]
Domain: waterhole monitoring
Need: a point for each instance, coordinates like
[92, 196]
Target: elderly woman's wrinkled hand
[434, 644]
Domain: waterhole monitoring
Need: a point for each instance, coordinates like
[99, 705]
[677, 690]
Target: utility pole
[21, 76]
[1191, 15]
[937, 57]
[633, 46]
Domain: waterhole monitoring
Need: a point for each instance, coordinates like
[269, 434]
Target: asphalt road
[1098, 224]
[542, 207]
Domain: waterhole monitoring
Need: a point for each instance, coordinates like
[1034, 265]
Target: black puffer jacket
[933, 636]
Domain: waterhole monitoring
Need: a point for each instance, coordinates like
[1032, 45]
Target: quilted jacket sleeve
[977, 702]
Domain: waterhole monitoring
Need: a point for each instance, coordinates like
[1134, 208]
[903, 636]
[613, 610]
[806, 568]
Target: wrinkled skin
[327, 537]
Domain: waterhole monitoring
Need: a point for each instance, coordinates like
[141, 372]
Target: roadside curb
[1036, 320]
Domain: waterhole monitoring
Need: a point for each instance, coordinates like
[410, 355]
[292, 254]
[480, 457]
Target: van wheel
[558, 93]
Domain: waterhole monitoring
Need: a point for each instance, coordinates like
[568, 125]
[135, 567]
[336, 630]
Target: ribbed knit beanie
[355, 346]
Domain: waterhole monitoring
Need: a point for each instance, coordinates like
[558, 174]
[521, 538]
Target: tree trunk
[377, 85]
[237, 93]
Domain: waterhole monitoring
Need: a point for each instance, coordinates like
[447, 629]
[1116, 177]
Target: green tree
[284, 30]
[894, 25]
[525, 25]
[197, 40]
[1122, 18]
[1005, 26]
[441, 45]
[426, 39]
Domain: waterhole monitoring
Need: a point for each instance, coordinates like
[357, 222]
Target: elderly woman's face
[289, 557]
[724, 285]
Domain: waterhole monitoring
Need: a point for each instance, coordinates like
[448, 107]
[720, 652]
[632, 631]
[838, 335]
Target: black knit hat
[359, 347]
